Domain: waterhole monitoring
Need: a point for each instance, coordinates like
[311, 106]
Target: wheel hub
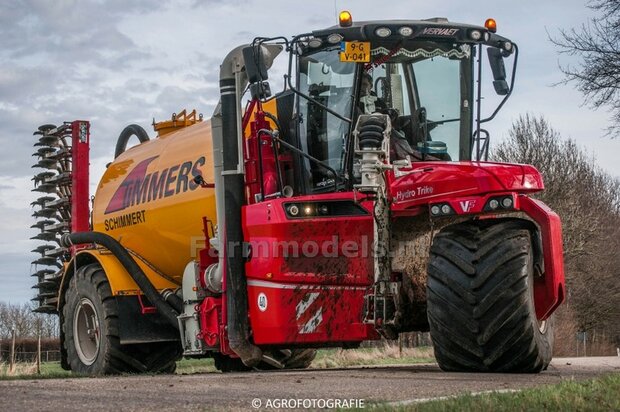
[86, 331]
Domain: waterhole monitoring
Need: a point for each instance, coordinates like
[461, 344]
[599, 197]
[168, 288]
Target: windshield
[328, 82]
[433, 79]
[411, 83]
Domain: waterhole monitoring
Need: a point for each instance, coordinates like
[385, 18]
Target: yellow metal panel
[160, 220]
[120, 281]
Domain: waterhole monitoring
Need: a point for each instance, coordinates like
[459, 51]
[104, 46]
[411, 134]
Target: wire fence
[20, 356]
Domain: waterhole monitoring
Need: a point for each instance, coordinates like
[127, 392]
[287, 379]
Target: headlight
[441, 209]
[293, 210]
[500, 202]
[315, 42]
[327, 209]
[383, 32]
[405, 31]
[334, 38]
[475, 34]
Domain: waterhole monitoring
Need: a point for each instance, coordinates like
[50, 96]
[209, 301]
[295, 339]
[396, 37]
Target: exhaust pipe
[230, 193]
[229, 189]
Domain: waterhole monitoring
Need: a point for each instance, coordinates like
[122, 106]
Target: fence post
[12, 354]
[39, 354]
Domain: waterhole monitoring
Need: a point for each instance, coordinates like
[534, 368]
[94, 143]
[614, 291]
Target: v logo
[467, 205]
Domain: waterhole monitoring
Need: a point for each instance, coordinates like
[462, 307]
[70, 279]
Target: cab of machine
[422, 73]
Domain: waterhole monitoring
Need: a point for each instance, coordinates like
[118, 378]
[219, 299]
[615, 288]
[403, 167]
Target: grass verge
[27, 370]
[329, 358]
[388, 355]
[600, 394]
[52, 370]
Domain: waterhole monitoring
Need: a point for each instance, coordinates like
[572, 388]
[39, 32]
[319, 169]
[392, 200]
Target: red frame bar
[80, 197]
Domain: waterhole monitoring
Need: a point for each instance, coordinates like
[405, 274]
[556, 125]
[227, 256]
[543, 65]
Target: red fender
[549, 292]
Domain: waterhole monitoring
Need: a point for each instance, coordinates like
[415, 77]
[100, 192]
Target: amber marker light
[345, 19]
[491, 25]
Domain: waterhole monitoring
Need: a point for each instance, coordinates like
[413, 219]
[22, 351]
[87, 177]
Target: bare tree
[588, 201]
[597, 44]
[27, 324]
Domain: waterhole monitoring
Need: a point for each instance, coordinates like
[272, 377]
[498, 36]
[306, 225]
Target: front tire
[480, 299]
[90, 324]
[91, 337]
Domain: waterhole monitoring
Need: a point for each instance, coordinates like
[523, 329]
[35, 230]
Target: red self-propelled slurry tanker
[355, 204]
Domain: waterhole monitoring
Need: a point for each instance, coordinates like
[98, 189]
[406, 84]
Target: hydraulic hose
[123, 138]
[130, 265]
[173, 299]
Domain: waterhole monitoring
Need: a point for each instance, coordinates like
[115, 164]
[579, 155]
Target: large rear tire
[90, 327]
[480, 299]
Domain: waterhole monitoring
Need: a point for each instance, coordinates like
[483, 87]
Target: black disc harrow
[52, 211]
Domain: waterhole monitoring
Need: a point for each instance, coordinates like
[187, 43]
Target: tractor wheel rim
[86, 331]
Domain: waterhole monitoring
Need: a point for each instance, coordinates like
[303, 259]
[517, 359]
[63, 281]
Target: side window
[328, 83]
[439, 91]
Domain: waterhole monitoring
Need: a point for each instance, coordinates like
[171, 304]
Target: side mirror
[255, 65]
[496, 60]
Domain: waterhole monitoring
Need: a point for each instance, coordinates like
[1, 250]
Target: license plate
[355, 51]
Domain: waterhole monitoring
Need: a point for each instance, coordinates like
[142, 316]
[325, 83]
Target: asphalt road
[243, 391]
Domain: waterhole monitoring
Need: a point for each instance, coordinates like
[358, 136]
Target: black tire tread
[480, 306]
[117, 359]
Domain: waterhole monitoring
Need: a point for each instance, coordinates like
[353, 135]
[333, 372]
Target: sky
[117, 62]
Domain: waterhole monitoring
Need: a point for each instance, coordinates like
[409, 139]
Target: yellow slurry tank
[148, 198]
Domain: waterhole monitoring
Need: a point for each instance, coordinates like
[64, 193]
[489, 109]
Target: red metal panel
[80, 146]
[550, 292]
[433, 182]
[210, 321]
[307, 277]
[325, 250]
[301, 313]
